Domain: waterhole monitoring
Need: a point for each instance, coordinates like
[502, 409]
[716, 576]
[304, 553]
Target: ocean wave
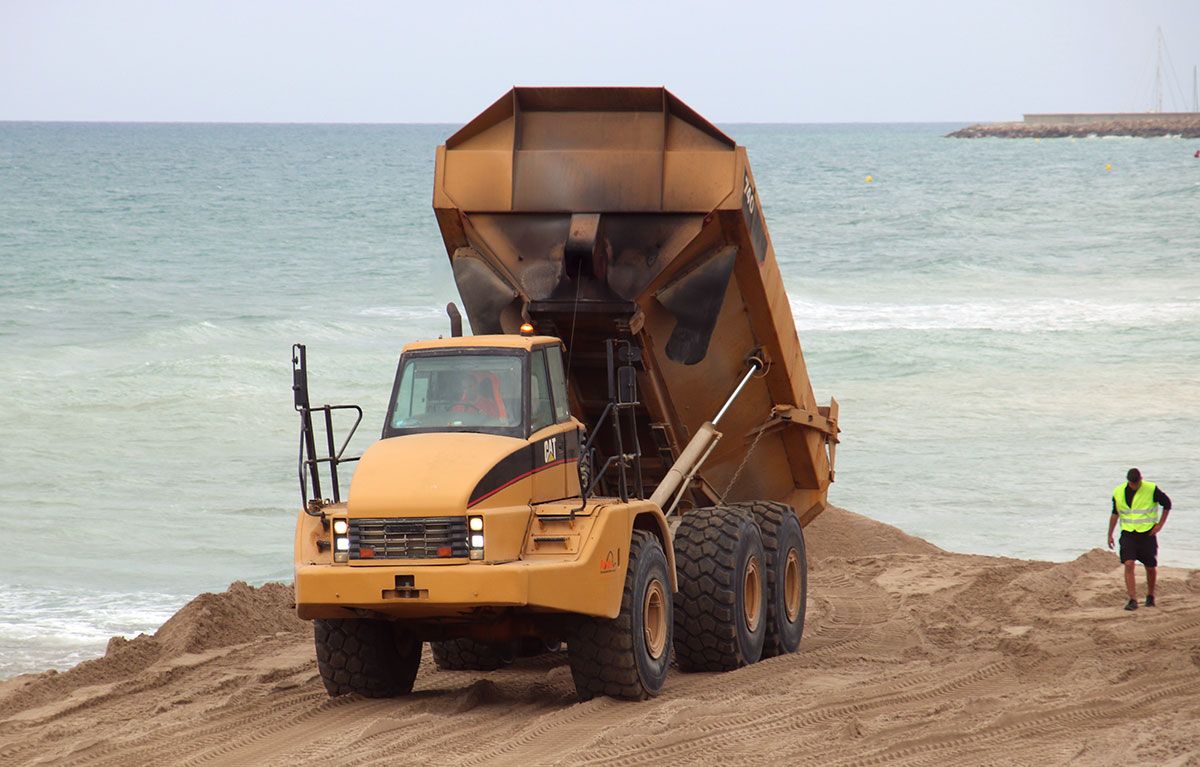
[405, 312]
[1012, 316]
[239, 334]
[47, 627]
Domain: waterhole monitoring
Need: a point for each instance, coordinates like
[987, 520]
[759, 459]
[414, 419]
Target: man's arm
[1162, 500]
[1112, 525]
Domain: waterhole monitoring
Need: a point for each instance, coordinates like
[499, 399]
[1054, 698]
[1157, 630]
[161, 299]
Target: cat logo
[550, 450]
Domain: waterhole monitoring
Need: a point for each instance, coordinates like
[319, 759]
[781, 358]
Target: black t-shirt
[1159, 497]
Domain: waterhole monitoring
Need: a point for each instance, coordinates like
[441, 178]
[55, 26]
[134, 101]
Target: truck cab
[512, 387]
[467, 524]
[476, 427]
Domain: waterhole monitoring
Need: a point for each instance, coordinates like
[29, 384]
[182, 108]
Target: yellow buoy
[1108, 167]
[870, 179]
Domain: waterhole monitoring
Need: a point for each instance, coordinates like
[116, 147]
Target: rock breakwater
[1142, 127]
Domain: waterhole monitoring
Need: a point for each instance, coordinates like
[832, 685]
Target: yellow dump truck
[621, 457]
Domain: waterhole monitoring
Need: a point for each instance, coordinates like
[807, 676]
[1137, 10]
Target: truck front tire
[628, 656]
[373, 658]
[720, 617]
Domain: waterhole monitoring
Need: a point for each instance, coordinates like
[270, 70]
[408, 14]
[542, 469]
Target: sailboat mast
[1158, 37]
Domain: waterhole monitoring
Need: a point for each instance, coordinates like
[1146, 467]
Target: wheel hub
[654, 619]
[752, 594]
[792, 579]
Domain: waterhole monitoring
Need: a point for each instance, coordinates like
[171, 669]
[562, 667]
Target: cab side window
[540, 413]
[559, 383]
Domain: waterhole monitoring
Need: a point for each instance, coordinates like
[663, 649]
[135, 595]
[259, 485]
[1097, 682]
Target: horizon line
[6, 121]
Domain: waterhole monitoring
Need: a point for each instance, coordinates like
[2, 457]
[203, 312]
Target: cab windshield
[458, 392]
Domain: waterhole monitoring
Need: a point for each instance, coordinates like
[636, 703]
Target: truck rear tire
[466, 654]
[787, 575]
[720, 618]
[373, 658]
[628, 656]
[531, 647]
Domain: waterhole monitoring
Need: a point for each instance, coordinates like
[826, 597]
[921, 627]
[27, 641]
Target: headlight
[343, 544]
[475, 539]
[340, 526]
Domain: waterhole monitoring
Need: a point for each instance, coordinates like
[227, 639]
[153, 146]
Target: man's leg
[1151, 578]
[1130, 581]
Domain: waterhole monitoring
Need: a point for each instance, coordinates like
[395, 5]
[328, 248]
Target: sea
[1008, 325]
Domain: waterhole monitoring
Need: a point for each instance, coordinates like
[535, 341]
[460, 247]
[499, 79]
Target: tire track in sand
[755, 725]
[1101, 712]
[345, 714]
[301, 705]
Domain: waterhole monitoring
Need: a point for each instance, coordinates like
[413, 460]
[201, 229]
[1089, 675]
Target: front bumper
[332, 591]
[587, 580]
[590, 585]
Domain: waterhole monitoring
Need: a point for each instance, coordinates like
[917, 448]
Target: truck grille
[408, 538]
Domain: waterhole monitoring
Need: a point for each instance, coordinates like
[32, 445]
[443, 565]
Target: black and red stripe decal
[525, 462]
[516, 479]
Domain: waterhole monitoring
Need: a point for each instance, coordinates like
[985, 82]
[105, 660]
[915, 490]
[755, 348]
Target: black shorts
[1142, 547]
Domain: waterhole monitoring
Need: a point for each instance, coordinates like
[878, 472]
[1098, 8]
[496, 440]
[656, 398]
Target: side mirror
[299, 377]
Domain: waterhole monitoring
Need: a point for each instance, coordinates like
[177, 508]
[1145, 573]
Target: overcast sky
[375, 61]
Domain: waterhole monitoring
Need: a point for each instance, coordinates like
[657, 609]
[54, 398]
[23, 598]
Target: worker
[477, 395]
[1135, 504]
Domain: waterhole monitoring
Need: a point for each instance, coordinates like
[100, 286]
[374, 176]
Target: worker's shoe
[1149, 600]
[1131, 604]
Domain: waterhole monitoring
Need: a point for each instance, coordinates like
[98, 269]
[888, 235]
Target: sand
[911, 655]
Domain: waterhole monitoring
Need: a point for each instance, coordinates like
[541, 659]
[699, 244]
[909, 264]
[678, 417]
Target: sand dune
[911, 655]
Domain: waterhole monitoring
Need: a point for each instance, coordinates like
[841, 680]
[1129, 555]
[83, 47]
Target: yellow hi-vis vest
[1142, 514]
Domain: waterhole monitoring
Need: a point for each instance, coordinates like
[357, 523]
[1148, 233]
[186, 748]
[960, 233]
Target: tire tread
[770, 516]
[706, 544]
[466, 654]
[600, 650]
[368, 657]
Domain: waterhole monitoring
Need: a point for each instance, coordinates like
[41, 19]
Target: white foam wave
[1015, 316]
[405, 312]
[44, 628]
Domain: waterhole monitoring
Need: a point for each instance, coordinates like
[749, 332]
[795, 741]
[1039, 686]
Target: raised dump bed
[598, 213]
